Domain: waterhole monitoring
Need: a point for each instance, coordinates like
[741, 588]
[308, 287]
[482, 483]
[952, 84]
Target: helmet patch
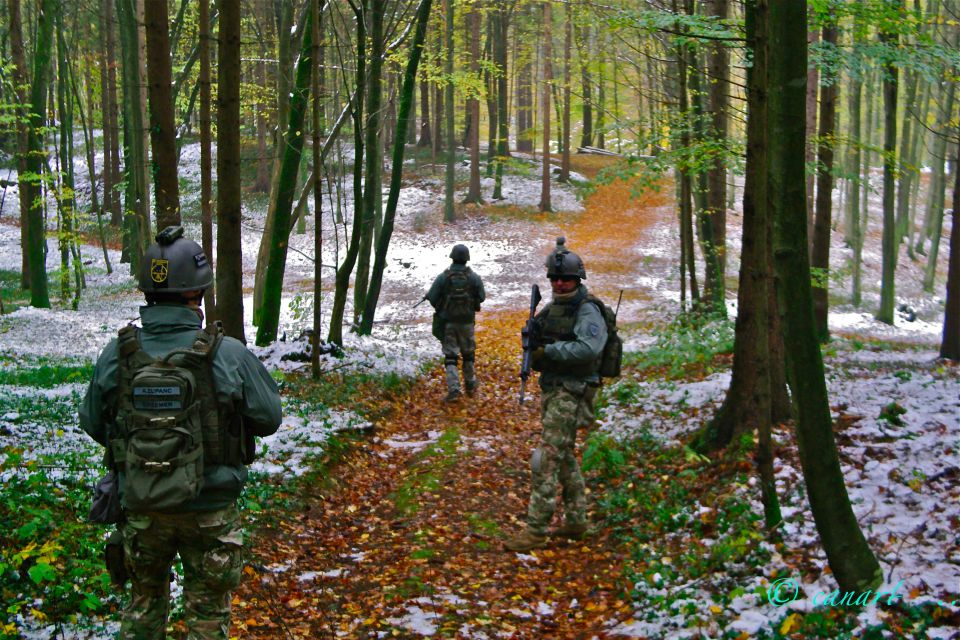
[159, 270]
[200, 259]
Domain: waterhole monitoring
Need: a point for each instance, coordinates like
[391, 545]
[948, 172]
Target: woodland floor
[406, 530]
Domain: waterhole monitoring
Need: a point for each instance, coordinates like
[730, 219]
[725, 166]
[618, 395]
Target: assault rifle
[528, 337]
[422, 300]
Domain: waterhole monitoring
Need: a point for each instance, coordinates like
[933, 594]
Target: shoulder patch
[594, 329]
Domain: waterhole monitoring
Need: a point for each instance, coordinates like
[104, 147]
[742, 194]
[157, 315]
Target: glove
[537, 358]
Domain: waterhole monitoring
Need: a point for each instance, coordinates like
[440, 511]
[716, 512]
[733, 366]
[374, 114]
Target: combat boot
[471, 387]
[452, 396]
[525, 541]
[571, 531]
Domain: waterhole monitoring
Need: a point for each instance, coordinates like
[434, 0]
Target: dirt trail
[405, 539]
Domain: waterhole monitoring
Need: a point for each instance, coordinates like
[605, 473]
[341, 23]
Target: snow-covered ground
[902, 479]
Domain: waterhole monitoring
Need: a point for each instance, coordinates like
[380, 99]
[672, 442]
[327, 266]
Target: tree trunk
[342, 280]
[503, 120]
[813, 84]
[852, 229]
[719, 73]
[686, 183]
[747, 403]
[851, 560]
[950, 345]
[937, 196]
[21, 81]
[206, 163]
[290, 164]
[372, 191]
[565, 135]
[317, 78]
[425, 139]
[163, 136]
[820, 254]
[396, 169]
[111, 163]
[889, 242]
[449, 132]
[474, 194]
[33, 221]
[545, 105]
[586, 87]
[66, 187]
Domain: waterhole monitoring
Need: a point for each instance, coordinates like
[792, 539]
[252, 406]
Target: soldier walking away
[177, 408]
[568, 345]
[456, 296]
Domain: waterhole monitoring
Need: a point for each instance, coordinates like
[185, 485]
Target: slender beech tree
[500, 27]
[372, 183]
[229, 93]
[396, 168]
[474, 195]
[823, 210]
[719, 89]
[851, 560]
[289, 168]
[565, 118]
[136, 219]
[345, 270]
[950, 344]
[448, 122]
[21, 83]
[747, 404]
[163, 136]
[852, 228]
[317, 127]
[36, 158]
[889, 243]
[229, 300]
[545, 105]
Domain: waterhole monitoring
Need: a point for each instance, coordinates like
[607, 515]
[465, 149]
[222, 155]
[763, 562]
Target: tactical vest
[170, 425]
[559, 320]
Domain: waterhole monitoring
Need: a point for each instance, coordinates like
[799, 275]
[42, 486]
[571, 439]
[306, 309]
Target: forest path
[405, 538]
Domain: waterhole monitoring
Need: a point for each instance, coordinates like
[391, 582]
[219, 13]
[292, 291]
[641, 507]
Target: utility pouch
[105, 508]
[439, 326]
[113, 557]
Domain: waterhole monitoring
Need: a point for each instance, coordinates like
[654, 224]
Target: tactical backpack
[169, 422]
[612, 356]
[459, 304]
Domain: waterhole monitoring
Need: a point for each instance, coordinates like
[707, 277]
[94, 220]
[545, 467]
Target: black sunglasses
[563, 278]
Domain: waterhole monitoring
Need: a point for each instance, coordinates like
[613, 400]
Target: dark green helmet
[460, 254]
[174, 264]
[563, 262]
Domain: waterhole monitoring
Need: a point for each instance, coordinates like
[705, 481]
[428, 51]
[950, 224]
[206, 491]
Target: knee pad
[450, 360]
[536, 460]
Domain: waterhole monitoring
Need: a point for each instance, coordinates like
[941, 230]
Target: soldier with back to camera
[177, 408]
[456, 295]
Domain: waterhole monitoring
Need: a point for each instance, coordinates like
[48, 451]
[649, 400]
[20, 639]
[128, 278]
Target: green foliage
[891, 413]
[690, 340]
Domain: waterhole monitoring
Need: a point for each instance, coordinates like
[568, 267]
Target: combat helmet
[563, 262]
[460, 254]
[174, 264]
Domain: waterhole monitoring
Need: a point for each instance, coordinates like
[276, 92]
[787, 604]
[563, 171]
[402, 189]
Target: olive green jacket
[241, 381]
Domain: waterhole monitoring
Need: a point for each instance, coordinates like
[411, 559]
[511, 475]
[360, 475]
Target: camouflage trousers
[210, 545]
[563, 409]
[459, 341]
